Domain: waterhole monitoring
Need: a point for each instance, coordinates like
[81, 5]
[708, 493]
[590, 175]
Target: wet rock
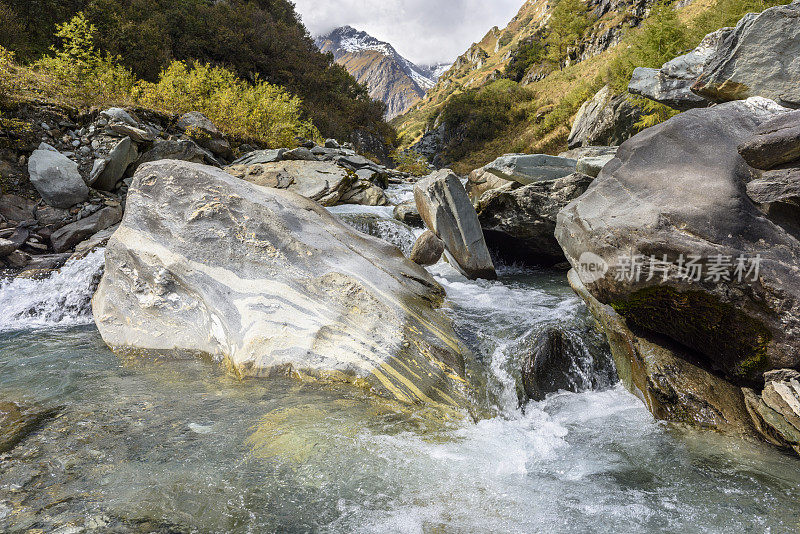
[119, 159]
[17, 421]
[560, 361]
[605, 119]
[321, 181]
[13, 242]
[447, 211]
[775, 142]
[671, 84]
[221, 286]
[771, 424]
[56, 178]
[408, 213]
[18, 259]
[428, 249]
[365, 193]
[667, 377]
[70, 235]
[94, 242]
[392, 231]
[757, 58]
[529, 168]
[519, 224]
[676, 191]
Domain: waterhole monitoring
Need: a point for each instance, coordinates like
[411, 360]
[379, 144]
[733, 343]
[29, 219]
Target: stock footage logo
[591, 267]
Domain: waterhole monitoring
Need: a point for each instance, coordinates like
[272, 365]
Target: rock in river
[447, 211]
[674, 197]
[270, 282]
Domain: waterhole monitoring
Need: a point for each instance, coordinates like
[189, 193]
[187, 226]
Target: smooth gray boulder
[775, 142]
[592, 165]
[447, 211]
[519, 224]
[678, 190]
[270, 283]
[66, 237]
[321, 181]
[760, 57]
[671, 85]
[530, 168]
[56, 178]
[119, 159]
[605, 119]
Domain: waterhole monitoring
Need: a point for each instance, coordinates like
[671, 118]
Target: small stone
[427, 250]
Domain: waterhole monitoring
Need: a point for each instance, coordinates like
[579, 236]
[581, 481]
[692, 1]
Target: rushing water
[164, 445]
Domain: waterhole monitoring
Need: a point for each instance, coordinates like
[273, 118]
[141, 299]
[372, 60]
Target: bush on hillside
[263, 38]
[411, 162]
[259, 111]
[568, 22]
[78, 70]
[528, 54]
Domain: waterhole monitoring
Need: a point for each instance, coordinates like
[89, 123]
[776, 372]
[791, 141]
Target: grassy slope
[547, 118]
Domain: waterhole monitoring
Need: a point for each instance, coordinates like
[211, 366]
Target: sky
[424, 31]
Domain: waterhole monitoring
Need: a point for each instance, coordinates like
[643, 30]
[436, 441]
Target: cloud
[424, 31]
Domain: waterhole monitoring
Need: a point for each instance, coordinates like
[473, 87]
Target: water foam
[62, 299]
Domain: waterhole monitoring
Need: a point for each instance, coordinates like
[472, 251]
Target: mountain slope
[390, 77]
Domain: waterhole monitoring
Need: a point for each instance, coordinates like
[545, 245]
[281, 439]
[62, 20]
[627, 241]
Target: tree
[567, 24]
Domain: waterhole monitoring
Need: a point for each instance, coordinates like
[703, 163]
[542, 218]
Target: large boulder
[605, 119]
[365, 193]
[760, 57]
[56, 178]
[520, 224]
[447, 211]
[530, 168]
[671, 85]
[321, 181]
[674, 204]
[271, 283]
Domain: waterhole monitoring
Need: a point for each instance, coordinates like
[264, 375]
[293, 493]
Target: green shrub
[525, 56]
[260, 111]
[568, 22]
[78, 68]
[411, 162]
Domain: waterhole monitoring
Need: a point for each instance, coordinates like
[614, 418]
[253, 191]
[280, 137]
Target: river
[166, 445]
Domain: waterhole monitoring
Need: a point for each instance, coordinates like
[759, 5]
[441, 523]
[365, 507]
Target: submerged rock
[560, 361]
[447, 211]
[17, 421]
[270, 282]
[675, 197]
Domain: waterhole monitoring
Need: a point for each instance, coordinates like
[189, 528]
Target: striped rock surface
[270, 283]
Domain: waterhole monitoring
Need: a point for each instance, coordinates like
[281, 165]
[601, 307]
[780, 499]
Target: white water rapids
[179, 446]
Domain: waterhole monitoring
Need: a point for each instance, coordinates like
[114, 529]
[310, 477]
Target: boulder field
[269, 282]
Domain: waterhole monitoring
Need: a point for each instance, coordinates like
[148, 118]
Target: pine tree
[566, 26]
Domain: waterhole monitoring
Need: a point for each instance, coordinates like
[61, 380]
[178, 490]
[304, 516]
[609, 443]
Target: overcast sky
[424, 31]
